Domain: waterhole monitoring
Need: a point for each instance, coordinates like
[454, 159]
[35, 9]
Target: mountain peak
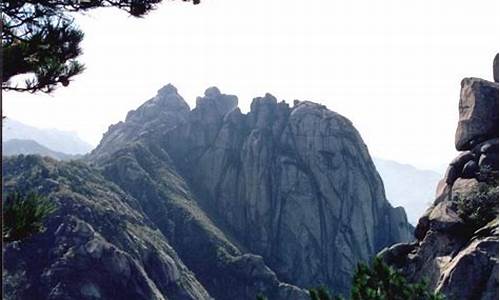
[212, 92]
[216, 103]
[167, 89]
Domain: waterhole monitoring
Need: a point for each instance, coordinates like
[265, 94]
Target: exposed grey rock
[495, 68]
[395, 253]
[294, 185]
[456, 261]
[164, 111]
[470, 170]
[462, 159]
[468, 274]
[487, 146]
[452, 173]
[192, 204]
[489, 160]
[281, 167]
[463, 187]
[442, 191]
[478, 113]
[444, 217]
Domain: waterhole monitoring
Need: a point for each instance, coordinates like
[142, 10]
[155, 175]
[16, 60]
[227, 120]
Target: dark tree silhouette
[41, 39]
[379, 281]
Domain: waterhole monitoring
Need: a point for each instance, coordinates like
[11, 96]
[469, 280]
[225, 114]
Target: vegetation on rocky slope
[378, 281]
[23, 215]
[480, 206]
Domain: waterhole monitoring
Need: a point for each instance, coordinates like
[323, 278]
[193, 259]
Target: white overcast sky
[392, 67]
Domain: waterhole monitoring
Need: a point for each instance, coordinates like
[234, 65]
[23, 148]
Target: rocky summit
[456, 249]
[202, 203]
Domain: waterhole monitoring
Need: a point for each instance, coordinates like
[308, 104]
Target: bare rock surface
[202, 203]
[478, 113]
[294, 185]
[456, 249]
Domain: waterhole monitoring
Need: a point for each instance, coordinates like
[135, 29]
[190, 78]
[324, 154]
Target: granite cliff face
[457, 238]
[207, 203]
[293, 185]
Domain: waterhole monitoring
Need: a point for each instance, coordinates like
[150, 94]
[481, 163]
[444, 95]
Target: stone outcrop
[294, 185]
[206, 203]
[495, 68]
[478, 113]
[457, 247]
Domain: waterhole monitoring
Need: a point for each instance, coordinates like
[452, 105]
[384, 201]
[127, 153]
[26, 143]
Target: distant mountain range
[17, 146]
[55, 140]
[408, 186]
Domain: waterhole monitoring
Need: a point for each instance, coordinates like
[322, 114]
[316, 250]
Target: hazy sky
[392, 67]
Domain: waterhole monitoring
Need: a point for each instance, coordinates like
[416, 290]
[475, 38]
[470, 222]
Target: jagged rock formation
[457, 247]
[495, 68]
[294, 185]
[273, 201]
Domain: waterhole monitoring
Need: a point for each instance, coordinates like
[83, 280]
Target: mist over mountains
[18, 146]
[407, 186]
[56, 140]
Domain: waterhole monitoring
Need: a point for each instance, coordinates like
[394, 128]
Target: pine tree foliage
[41, 40]
[23, 216]
[380, 282]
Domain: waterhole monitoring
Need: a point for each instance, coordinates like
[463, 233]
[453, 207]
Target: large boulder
[473, 272]
[455, 257]
[478, 113]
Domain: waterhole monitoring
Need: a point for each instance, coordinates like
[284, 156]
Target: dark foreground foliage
[378, 282]
[41, 40]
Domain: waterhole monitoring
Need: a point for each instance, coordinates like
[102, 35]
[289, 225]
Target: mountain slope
[16, 146]
[98, 245]
[205, 203]
[294, 185]
[56, 140]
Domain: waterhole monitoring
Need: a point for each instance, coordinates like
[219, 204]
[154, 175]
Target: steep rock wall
[293, 185]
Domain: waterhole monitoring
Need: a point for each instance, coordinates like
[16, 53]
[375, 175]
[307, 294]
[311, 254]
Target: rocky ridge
[98, 245]
[454, 251]
[180, 203]
[294, 185]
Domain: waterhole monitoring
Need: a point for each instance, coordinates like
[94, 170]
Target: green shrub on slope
[23, 215]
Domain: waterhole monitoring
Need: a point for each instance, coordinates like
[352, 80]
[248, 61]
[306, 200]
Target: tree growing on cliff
[480, 206]
[23, 216]
[380, 282]
[41, 40]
